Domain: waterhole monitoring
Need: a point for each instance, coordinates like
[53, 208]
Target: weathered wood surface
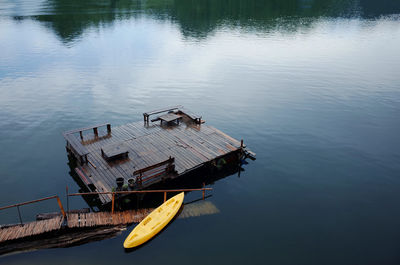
[74, 220]
[191, 145]
[107, 218]
[94, 220]
[169, 117]
[61, 240]
[30, 229]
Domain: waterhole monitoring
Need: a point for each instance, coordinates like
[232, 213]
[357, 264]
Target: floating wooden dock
[60, 231]
[172, 144]
[63, 227]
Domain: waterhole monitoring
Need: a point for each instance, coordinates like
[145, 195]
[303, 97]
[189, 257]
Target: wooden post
[241, 151]
[90, 162]
[80, 133]
[165, 196]
[19, 214]
[61, 207]
[108, 128]
[204, 191]
[96, 133]
[112, 203]
[66, 190]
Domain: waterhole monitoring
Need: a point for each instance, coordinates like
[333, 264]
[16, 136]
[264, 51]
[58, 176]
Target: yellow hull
[154, 222]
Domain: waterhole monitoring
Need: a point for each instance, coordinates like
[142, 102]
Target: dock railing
[113, 193]
[35, 201]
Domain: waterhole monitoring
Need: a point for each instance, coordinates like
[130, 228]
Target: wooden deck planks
[30, 229]
[94, 219]
[191, 145]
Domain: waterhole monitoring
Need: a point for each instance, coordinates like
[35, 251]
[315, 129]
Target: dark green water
[312, 86]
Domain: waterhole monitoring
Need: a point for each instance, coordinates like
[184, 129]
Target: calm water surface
[312, 86]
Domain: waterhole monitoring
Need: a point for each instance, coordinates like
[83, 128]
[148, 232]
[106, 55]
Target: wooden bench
[194, 117]
[146, 175]
[146, 115]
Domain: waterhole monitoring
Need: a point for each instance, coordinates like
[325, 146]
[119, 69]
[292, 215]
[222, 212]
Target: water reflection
[199, 18]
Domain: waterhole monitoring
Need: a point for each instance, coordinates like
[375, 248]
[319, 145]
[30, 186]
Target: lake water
[312, 86]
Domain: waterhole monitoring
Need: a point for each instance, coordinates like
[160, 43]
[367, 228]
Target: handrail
[136, 191]
[88, 128]
[34, 201]
[17, 205]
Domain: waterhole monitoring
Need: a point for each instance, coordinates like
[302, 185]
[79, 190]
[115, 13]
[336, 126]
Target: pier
[141, 154]
[63, 228]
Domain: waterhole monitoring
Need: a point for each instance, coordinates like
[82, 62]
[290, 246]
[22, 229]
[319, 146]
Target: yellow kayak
[154, 222]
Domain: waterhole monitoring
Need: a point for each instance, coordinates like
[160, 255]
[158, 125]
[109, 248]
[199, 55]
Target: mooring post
[165, 196]
[241, 151]
[112, 203]
[19, 214]
[96, 133]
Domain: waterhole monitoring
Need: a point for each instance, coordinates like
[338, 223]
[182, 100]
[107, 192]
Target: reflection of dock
[142, 154]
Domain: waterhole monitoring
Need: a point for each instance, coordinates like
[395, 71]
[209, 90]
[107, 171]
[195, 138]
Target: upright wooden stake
[61, 207]
[66, 189]
[112, 203]
[19, 214]
[96, 133]
[165, 196]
